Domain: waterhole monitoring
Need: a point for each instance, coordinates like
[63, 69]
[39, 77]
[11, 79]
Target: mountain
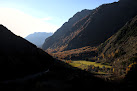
[93, 29]
[25, 67]
[21, 62]
[76, 54]
[59, 37]
[38, 38]
[120, 50]
[19, 58]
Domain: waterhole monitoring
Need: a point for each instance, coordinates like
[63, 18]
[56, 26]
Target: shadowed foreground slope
[19, 58]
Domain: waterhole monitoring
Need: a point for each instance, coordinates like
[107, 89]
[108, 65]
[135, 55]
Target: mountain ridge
[123, 47]
[64, 29]
[94, 28]
[19, 57]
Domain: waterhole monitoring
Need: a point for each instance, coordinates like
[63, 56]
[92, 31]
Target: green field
[82, 64]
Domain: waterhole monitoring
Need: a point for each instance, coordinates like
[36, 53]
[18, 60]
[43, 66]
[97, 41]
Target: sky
[24, 17]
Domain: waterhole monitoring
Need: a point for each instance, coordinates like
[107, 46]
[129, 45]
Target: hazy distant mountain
[38, 38]
[93, 29]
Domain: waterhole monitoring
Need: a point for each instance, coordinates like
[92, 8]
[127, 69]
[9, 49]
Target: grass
[102, 73]
[84, 63]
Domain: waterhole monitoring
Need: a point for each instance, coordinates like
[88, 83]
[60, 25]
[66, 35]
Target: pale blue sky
[55, 12]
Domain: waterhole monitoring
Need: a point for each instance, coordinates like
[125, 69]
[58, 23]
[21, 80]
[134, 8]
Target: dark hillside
[19, 58]
[121, 49]
[18, 70]
[24, 67]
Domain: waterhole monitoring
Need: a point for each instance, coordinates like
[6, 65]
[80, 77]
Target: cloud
[23, 24]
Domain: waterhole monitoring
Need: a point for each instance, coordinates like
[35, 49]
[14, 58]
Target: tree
[103, 55]
[112, 54]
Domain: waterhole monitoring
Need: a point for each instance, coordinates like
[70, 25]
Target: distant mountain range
[93, 27]
[38, 38]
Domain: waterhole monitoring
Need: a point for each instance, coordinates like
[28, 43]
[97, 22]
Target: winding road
[22, 80]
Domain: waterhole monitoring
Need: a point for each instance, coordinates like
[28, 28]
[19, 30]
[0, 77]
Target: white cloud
[23, 24]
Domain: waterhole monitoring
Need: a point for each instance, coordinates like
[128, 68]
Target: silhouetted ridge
[19, 58]
[14, 45]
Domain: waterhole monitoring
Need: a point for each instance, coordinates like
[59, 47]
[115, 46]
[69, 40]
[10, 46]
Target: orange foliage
[117, 51]
[113, 70]
[68, 61]
[102, 55]
[112, 54]
[109, 55]
[67, 54]
[130, 66]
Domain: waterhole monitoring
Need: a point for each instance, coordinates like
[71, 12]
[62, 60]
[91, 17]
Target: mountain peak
[38, 38]
[93, 28]
[2, 28]
[127, 1]
[65, 29]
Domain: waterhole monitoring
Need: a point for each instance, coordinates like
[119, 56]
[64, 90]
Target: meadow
[91, 66]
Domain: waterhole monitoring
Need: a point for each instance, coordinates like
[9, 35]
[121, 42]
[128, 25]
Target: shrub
[124, 63]
[130, 66]
[87, 59]
[133, 59]
[119, 53]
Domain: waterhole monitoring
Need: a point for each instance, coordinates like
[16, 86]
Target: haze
[24, 17]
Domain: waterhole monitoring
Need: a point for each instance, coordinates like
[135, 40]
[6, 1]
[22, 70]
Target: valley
[98, 39]
[95, 49]
[93, 67]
